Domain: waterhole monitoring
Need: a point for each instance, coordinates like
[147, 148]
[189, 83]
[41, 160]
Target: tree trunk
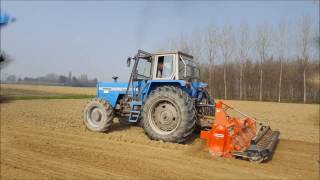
[291, 91]
[244, 81]
[225, 81]
[213, 70]
[211, 78]
[210, 83]
[240, 83]
[260, 89]
[280, 81]
[304, 86]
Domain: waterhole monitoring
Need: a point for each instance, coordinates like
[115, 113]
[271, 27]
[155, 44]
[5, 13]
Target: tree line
[54, 79]
[265, 63]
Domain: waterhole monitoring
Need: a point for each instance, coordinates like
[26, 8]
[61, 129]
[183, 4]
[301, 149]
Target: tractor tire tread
[186, 107]
[109, 115]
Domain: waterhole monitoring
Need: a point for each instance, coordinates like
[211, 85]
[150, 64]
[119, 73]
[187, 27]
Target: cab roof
[174, 52]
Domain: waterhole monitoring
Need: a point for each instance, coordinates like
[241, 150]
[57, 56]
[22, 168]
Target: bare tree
[304, 46]
[262, 46]
[183, 44]
[188, 44]
[212, 47]
[244, 47]
[282, 45]
[226, 43]
[197, 45]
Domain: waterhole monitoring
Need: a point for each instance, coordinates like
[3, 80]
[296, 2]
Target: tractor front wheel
[168, 115]
[98, 115]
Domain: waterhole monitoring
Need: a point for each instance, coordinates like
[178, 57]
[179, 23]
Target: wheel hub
[95, 116]
[165, 116]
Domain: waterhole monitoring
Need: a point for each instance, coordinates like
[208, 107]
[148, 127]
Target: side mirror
[128, 61]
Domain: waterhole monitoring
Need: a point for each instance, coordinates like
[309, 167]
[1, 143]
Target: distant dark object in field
[4, 99]
[4, 60]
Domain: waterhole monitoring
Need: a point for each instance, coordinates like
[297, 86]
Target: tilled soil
[45, 139]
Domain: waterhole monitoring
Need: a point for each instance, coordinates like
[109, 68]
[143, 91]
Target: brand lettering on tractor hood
[108, 89]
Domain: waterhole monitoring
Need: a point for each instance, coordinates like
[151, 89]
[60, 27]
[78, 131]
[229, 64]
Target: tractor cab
[164, 66]
[173, 68]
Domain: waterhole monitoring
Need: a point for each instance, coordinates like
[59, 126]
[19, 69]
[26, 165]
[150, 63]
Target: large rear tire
[168, 115]
[98, 115]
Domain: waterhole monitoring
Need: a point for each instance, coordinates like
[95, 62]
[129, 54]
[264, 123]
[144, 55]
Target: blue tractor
[164, 95]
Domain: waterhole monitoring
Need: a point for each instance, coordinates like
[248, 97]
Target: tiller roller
[241, 138]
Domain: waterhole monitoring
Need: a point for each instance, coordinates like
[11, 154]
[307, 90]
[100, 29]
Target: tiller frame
[242, 138]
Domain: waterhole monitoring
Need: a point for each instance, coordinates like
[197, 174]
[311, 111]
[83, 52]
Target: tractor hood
[110, 91]
[107, 87]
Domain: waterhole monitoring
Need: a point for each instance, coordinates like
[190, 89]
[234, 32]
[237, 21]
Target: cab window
[144, 69]
[165, 66]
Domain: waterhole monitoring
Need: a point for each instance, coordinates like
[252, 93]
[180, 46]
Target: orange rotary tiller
[232, 137]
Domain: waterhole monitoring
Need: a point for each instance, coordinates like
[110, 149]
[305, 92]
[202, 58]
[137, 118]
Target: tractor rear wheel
[98, 115]
[168, 115]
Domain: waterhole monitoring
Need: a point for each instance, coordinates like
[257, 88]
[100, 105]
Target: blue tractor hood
[112, 90]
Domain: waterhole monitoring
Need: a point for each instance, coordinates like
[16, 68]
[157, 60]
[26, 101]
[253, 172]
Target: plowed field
[45, 139]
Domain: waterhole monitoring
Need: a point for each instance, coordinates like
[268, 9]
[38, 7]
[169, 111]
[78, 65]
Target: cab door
[164, 66]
